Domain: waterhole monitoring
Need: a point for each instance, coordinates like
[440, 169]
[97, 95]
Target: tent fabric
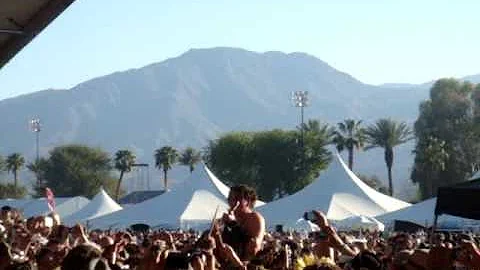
[15, 203]
[461, 202]
[100, 205]
[359, 223]
[139, 196]
[191, 204]
[422, 213]
[36, 207]
[64, 206]
[199, 207]
[338, 192]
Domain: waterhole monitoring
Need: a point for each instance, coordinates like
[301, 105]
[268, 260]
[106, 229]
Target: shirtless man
[244, 228]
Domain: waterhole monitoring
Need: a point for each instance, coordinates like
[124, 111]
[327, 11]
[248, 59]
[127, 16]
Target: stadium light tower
[300, 100]
[36, 127]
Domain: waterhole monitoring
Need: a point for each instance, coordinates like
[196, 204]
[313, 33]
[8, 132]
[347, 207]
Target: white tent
[15, 203]
[302, 225]
[100, 205]
[64, 206]
[338, 192]
[422, 213]
[189, 205]
[359, 223]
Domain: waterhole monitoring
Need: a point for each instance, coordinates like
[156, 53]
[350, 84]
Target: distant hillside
[192, 98]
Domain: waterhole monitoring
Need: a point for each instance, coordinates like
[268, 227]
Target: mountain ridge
[200, 94]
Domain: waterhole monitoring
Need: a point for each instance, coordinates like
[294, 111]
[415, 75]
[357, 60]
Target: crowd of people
[236, 240]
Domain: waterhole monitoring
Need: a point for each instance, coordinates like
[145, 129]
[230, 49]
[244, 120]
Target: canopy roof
[21, 21]
[458, 201]
[188, 205]
[338, 192]
[359, 223]
[100, 205]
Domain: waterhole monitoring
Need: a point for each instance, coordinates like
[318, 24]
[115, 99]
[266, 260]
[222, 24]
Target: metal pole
[300, 99]
[302, 128]
[38, 149]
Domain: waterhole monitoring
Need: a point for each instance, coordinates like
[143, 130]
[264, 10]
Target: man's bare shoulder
[257, 218]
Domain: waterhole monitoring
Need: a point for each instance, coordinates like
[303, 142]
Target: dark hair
[245, 192]
[368, 260]
[79, 257]
[20, 266]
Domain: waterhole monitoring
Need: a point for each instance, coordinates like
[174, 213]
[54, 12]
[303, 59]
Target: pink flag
[50, 199]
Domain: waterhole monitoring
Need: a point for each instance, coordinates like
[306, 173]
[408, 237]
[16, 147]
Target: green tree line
[80, 170]
[447, 151]
[447, 135]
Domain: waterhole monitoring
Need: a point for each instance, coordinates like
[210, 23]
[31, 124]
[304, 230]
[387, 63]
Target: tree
[14, 163]
[447, 132]
[190, 157]
[374, 182]
[123, 162]
[10, 191]
[77, 170]
[165, 158]
[435, 157]
[37, 167]
[2, 164]
[350, 136]
[387, 133]
[273, 161]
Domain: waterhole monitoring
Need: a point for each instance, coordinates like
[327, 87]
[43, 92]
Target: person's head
[106, 241]
[20, 266]
[56, 219]
[365, 260]
[6, 213]
[438, 239]
[242, 195]
[80, 257]
[60, 233]
[46, 259]
[402, 241]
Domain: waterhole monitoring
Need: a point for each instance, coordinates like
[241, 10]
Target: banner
[50, 199]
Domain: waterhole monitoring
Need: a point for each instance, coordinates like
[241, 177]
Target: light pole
[36, 127]
[300, 99]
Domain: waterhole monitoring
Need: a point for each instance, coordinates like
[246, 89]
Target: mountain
[428, 85]
[194, 97]
[472, 78]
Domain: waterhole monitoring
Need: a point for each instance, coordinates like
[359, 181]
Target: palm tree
[350, 136]
[435, 157]
[165, 158]
[14, 163]
[320, 129]
[190, 157]
[124, 161]
[38, 168]
[2, 164]
[387, 133]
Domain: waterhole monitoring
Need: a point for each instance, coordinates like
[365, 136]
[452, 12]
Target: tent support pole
[434, 228]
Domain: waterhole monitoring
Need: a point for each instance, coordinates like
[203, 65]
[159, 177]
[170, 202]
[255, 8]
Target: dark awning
[22, 20]
[458, 201]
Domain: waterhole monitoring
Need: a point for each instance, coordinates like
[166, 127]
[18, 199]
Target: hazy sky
[375, 41]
